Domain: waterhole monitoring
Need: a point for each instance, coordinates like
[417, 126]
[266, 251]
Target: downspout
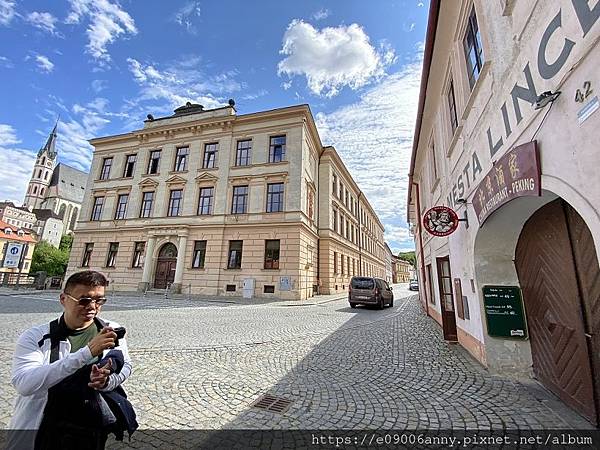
[359, 236]
[318, 214]
[422, 262]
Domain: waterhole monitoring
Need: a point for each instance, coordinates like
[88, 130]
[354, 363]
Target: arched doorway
[558, 272]
[165, 266]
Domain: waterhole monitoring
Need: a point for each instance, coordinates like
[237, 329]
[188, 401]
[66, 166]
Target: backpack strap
[100, 323]
[54, 340]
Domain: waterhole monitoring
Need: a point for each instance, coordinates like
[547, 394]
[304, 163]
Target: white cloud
[286, 85]
[43, 20]
[44, 64]
[8, 135]
[107, 22]
[17, 164]
[185, 16]
[163, 89]
[374, 138]
[5, 62]
[99, 85]
[7, 12]
[321, 14]
[332, 57]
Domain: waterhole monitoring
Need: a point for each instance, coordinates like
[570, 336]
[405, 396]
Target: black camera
[120, 331]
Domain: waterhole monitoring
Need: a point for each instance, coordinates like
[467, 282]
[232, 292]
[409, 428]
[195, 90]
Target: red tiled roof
[13, 236]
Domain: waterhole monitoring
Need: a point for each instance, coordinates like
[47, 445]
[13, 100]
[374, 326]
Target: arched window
[44, 161]
[29, 189]
[61, 211]
[73, 219]
[35, 189]
[168, 251]
[46, 175]
[40, 173]
[42, 191]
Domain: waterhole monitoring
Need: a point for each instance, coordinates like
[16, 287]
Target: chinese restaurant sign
[440, 221]
[516, 174]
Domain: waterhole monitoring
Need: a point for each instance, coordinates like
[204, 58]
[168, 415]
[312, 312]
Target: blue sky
[102, 65]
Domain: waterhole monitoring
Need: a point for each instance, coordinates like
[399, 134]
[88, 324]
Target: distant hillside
[408, 256]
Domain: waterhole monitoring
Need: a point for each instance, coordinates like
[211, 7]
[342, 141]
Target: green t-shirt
[80, 338]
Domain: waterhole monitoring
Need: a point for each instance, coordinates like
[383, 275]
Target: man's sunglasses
[84, 301]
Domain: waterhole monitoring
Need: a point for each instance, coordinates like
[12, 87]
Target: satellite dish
[150, 117]
[231, 102]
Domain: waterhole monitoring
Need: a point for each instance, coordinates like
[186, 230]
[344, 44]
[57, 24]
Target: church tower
[42, 172]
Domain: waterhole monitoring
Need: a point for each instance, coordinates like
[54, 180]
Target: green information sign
[504, 312]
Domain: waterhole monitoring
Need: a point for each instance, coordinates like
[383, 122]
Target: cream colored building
[215, 203]
[402, 271]
[351, 235]
[494, 142]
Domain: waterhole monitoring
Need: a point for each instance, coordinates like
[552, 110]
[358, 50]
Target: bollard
[190, 291]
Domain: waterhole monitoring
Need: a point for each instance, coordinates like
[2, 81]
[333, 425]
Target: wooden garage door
[548, 277]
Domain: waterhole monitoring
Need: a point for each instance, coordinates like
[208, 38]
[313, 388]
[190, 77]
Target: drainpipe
[318, 214]
[359, 236]
[420, 228]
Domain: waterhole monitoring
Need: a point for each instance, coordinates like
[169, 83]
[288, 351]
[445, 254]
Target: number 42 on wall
[587, 90]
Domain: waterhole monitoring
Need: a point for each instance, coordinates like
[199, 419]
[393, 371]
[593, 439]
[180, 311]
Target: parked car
[370, 291]
[413, 285]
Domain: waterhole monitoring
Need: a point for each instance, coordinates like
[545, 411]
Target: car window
[362, 283]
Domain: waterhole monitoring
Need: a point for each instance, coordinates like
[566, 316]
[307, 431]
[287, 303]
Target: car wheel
[352, 305]
[381, 303]
[391, 303]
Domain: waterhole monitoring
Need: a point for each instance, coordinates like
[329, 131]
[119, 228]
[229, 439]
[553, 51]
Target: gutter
[422, 258]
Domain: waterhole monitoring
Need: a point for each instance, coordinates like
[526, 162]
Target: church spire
[50, 146]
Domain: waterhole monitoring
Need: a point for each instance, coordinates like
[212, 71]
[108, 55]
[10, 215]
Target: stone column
[148, 262]
[180, 264]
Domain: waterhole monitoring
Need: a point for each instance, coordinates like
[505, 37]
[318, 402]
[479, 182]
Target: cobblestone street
[202, 366]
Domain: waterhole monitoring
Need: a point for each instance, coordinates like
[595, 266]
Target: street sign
[440, 221]
[504, 312]
[13, 255]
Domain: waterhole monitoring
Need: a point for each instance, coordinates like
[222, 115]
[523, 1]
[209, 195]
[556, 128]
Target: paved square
[200, 365]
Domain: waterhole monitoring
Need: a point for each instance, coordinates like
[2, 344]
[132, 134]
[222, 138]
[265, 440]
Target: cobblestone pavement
[202, 366]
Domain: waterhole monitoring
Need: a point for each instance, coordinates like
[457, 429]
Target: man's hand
[99, 375]
[104, 340]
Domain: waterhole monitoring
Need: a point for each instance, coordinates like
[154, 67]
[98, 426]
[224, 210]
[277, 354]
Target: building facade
[516, 160]
[49, 226]
[214, 203]
[403, 271]
[350, 233]
[388, 263]
[10, 234]
[55, 189]
[17, 217]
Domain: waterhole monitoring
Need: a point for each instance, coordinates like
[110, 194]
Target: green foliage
[49, 259]
[408, 256]
[66, 242]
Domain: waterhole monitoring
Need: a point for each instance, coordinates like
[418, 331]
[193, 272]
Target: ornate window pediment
[206, 177]
[148, 182]
[176, 179]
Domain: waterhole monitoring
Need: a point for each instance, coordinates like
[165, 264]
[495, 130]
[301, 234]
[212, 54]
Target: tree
[49, 259]
[66, 242]
[408, 256]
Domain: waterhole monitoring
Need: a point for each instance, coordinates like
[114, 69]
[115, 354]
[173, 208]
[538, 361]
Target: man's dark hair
[89, 278]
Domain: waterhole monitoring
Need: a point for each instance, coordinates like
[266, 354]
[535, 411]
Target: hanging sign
[13, 255]
[440, 221]
[516, 174]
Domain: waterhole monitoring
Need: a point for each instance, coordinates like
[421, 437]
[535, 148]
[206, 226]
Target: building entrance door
[165, 266]
[559, 275]
[446, 299]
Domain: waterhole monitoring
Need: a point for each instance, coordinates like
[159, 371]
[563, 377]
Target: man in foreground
[67, 377]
